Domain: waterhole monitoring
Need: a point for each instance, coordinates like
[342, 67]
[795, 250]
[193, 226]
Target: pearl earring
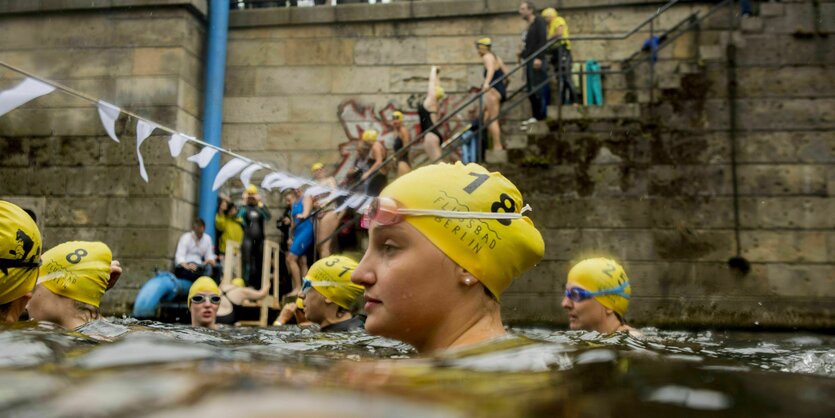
[468, 281]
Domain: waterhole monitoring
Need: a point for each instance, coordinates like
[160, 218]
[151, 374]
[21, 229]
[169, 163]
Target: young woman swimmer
[445, 242]
[597, 295]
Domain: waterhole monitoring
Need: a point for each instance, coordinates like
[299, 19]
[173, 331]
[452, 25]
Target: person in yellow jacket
[73, 278]
[20, 254]
[228, 225]
[561, 55]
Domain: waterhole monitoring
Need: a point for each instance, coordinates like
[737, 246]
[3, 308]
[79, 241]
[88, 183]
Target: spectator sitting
[194, 257]
[20, 254]
[203, 301]
[330, 299]
[232, 296]
[74, 277]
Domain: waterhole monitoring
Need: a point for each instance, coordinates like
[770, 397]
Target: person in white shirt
[195, 256]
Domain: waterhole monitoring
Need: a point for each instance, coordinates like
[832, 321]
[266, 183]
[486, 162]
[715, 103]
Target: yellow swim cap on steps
[493, 250]
[202, 284]
[79, 270]
[369, 135]
[596, 274]
[20, 244]
[331, 276]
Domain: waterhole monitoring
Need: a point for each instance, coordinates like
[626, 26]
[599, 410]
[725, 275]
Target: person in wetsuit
[402, 140]
[428, 115]
[376, 175]
[232, 296]
[496, 94]
[253, 215]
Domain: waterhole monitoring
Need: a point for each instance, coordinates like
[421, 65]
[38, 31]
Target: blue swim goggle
[578, 294]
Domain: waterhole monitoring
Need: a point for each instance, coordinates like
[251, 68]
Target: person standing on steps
[536, 71]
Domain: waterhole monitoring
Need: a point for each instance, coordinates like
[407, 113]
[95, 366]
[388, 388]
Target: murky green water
[130, 368]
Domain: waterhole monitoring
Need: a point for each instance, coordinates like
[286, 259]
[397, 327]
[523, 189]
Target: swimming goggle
[578, 294]
[198, 299]
[386, 211]
[308, 284]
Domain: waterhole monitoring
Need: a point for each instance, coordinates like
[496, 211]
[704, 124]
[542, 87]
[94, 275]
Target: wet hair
[199, 222]
[31, 214]
[88, 309]
[530, 5]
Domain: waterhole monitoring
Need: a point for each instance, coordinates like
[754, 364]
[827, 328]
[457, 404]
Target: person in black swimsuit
[428, 115]
[232, 296]
[496, 93]
[402, 140]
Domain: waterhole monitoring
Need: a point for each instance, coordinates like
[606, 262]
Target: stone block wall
[657, 191]
[54, 154]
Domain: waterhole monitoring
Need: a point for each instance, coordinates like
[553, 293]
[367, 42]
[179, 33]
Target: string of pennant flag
[34, 86]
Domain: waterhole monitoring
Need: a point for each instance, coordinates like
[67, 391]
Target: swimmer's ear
[328, 301]
[465, 277]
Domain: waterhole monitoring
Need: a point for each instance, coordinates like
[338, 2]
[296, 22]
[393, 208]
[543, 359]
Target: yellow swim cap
[493, 250]
[369, 135]
[202, 284]
[596, 274]
[331, 276]
[251, 189]
[397, 115]
[439, 92]
[79, 270]
[549, 12]
[317, 166]
[484, 43]
[300, 303]
[20, 244]
[237, 281]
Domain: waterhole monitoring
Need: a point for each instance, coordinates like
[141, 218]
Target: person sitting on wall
[203, 302]
[73, 278]
[20, 256]
[194, 257]
[232, 297]
[330, 299]
[597, 295]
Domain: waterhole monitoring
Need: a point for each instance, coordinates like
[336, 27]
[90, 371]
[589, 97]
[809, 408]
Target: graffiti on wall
[357, 117]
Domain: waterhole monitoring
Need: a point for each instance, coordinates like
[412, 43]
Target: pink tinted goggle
[387, 211]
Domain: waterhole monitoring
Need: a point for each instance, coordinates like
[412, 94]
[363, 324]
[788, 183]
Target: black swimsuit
[426, 121]
[500, 87]
[398, 145]
[231, 317]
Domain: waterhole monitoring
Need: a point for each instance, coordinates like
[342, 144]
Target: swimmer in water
[445, 241]
[73, 278]
[20, 255]
[596, 297]
[203, 302]
[329, 297]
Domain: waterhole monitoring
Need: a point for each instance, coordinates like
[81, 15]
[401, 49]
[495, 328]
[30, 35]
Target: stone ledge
[34, 6]
[400, 10]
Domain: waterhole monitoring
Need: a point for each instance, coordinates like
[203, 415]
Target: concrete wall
[56, 157]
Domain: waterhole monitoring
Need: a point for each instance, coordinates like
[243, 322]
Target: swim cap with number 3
[493, 250]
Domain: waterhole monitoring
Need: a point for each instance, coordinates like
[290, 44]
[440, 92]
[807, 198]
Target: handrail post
[652, 58]
[481, 128]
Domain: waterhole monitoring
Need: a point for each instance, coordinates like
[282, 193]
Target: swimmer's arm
[405, 135]
[490, 65]
[307, 205]
[252, 294]
[378, 162]
[430, 103]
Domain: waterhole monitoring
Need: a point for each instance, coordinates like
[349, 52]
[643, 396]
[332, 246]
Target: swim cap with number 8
[493, 250]
[79, 270]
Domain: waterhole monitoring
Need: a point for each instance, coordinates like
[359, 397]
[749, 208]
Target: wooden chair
[269, 273]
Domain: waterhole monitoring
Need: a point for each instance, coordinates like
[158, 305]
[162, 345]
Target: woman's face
[397, 123]
[203, 314]
[315, 308]
[410, 285]
[587, 314]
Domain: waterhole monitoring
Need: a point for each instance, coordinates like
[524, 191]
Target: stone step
[712, 52]
[516, 140]
[669, 81]
[495, 157]
[619, 111]
[752, 24]
[772, 9]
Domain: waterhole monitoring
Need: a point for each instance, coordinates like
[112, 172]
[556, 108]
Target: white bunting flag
[27, 90]
[176, 143]
[204, 157]
[333, 196]
[269, 179]
[246, 175]
[108, 114]
[289, 183]
[143, 131]
[228, 170]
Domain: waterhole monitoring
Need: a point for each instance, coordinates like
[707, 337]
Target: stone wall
[56, 157]
[657, 192]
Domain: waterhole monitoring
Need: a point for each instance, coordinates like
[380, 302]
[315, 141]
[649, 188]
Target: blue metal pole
[213, 106]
